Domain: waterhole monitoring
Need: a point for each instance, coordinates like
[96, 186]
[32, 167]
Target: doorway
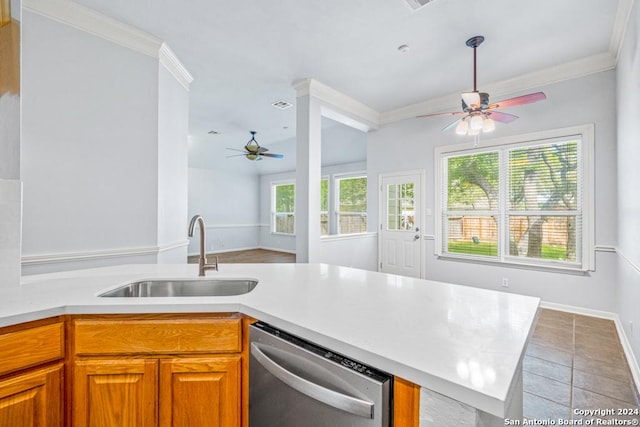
[400, 244]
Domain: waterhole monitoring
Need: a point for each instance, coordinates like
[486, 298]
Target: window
[324, 206]
[400, 207]
[351, 212]
[283, 208]
[525, 201]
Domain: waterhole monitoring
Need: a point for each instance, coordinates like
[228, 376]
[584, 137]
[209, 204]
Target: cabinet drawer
[29, 347]
[157, 336]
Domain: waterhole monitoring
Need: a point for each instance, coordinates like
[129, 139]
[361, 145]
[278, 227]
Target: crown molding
[171, 62]
[623, 13]
[97, 24]
[89, 21]
[339, 106]
[567, 71]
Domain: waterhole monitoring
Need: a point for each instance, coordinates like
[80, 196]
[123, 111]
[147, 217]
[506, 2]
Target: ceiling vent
[283, 105]
[417, 4]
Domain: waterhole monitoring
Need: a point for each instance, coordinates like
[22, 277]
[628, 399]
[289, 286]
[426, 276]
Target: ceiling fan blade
[501, 117]
[277, 156]
[452, 125]
[519, 100]
[263, 149]
[472, 99]
[449, 113]
[235, 155]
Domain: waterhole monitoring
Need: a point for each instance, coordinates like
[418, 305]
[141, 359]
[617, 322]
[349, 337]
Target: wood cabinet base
[32, 399]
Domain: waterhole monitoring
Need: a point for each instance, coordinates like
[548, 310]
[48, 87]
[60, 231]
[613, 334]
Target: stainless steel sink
[183, 288]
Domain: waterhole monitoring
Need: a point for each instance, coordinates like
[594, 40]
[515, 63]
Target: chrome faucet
[202, 261]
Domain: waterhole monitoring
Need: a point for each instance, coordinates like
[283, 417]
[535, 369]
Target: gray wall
[409, 145]
[628, 173]
[101, 174]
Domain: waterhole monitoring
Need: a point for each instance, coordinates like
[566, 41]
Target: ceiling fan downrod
[474, 42]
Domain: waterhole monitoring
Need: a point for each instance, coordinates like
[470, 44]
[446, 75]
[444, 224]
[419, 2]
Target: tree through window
[284, 220]
[518, 203]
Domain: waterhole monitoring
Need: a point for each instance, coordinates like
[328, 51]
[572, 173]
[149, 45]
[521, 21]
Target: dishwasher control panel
[327, 354]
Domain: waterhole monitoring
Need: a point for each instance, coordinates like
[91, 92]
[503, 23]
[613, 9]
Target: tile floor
[576, 363]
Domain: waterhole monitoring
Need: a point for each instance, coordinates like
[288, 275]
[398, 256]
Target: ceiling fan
[253, 151]
[478, 114]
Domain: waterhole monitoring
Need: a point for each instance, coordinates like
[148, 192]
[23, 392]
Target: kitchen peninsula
[463, 346]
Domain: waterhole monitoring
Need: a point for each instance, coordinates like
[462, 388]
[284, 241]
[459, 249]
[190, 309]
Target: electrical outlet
[505, 282]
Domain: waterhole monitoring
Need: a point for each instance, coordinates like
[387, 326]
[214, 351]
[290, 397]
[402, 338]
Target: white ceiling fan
[478, 114]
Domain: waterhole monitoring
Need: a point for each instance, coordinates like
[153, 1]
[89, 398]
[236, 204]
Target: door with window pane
[400, 242]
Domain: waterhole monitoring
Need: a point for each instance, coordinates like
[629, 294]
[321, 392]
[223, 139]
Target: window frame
[337, 213]
[502, 145]
[274, 214]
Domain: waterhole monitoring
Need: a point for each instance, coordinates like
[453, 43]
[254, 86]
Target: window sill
[577, 270]
[277, 233]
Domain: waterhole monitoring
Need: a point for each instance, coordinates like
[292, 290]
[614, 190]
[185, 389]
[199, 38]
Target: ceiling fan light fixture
[471, 99]
[462, 127]
[476, 122]
[478, 113]
[488, 125]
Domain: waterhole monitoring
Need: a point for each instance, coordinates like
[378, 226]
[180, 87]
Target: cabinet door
[199, 392]
[115, 393]
[33, 399]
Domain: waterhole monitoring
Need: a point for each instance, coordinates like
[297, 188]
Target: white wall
[628, 174]
[10, 102]
[173, 152]
[91, 160]
[10, 136]
[354, 250]
[10, 185]
[409, 145]
[228, 200]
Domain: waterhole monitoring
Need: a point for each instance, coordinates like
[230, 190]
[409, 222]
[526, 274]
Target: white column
[308, 159]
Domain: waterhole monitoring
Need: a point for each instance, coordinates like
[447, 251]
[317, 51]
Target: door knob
[416, 237]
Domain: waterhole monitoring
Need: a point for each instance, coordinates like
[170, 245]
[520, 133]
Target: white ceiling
[244, 55]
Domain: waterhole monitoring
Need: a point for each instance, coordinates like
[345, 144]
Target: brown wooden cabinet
[118, 392]
[32, 374]
[159, 370]
[200, 391]
[32, 399]
[136, 371]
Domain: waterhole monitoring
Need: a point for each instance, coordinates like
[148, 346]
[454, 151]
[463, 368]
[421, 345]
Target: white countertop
[463, 342]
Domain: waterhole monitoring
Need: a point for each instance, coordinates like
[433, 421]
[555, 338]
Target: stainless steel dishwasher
[294, 383]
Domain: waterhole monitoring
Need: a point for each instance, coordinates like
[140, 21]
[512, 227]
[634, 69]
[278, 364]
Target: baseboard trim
[286, 251]
[579, 310]
[624, 341]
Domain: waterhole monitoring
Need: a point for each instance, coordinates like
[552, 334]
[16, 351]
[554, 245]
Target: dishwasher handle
[350, 404]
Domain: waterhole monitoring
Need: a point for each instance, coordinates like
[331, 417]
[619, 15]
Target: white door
[400, 245]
